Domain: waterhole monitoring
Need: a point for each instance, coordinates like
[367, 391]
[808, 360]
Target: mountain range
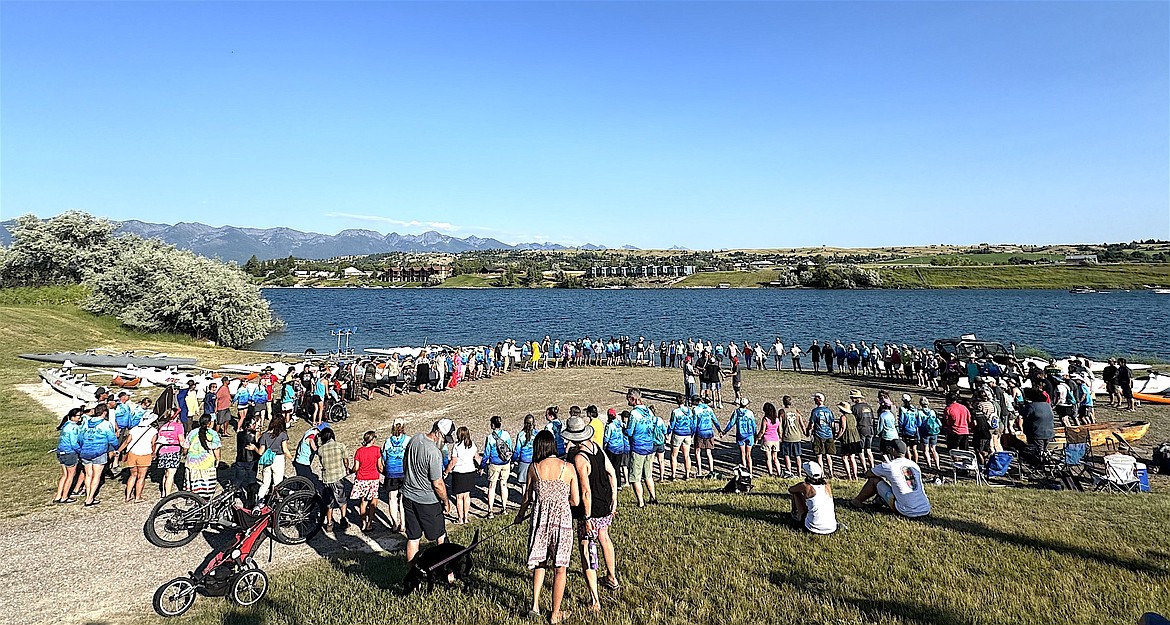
[231, 243]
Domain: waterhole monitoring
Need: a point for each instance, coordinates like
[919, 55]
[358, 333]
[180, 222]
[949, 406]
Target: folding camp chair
[1122, 444]
[963, 460]
[1120, 475]
[1000, 464]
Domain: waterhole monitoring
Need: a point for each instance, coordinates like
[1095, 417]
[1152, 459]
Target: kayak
[94, 359]
[1153, 399]
[1096, 434]
[69, 384]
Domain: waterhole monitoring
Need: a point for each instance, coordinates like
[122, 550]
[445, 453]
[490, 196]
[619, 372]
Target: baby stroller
[231, 571]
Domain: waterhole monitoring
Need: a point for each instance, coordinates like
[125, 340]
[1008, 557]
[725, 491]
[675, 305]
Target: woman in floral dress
[552, 489]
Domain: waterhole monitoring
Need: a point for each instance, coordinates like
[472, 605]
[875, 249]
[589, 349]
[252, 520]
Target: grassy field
[993, 258]
[27, 429]
[737, 279]
[992, 557]
[467, 279]
[1128, 276]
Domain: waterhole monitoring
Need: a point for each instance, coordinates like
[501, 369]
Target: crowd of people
[568, 472]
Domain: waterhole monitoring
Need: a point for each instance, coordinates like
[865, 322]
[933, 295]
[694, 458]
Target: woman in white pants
[270, 466]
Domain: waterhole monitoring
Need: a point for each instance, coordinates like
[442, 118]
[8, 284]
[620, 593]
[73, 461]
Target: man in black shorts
[424, 495]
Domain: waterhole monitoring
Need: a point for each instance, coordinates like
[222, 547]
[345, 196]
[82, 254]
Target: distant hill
[239, 244]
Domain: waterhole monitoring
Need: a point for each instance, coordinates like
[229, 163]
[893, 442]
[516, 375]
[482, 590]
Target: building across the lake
[642, 271]
[416, 274]
[1080, 259]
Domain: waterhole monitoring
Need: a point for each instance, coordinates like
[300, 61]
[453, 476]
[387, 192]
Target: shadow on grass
[774, 517]
[974, 528]
[872, 610]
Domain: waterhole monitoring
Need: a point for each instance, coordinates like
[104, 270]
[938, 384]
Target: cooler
[1143, 477]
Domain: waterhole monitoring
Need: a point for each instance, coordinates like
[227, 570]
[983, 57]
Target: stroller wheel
[174, 597]
[250, 587]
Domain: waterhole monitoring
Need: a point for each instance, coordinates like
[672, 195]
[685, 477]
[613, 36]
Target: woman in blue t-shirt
[522, 450]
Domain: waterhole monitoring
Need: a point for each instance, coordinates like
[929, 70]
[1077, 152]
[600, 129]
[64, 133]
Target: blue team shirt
[641, 430]
[706, 423]
[745, 425]
[682, 421]
[822, 420]
[393, 450]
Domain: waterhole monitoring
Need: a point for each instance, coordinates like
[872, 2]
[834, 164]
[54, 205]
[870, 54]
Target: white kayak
[1095, 366]
[166, 377]
[278, 368]
[69, 384]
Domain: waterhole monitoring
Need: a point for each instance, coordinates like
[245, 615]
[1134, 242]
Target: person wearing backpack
[866, 426]
[497, 458]
[98, 440]
[908, 421]
[393, 451]
[929, 427]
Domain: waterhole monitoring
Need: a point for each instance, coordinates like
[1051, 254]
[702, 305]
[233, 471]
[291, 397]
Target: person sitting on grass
[897, 482]
[812, 501]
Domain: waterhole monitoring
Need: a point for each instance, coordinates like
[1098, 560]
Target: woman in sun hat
[812, 501]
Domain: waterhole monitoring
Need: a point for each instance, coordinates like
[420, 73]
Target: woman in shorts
[522, 450]
[393, 451]
[68, 453]
[770, 428]
[169, 448]
[465, 460]
[792, 439]
[139, 453]
[849, 441]
[367, 468]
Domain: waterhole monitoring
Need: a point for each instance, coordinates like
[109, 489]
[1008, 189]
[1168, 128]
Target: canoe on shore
[1151, 398]
[112, 360]
[1097, 434]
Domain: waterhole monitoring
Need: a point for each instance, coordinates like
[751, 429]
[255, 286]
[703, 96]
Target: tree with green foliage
[253, 266]
[66, 249]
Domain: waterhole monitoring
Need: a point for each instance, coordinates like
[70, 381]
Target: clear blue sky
[708, 125]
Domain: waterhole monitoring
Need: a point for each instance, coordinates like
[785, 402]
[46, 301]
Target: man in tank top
[597, 482]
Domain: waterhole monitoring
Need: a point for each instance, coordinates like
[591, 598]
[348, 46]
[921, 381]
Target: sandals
[608, 585]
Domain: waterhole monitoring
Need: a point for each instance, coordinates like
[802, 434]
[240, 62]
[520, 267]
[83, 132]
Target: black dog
[440, 564]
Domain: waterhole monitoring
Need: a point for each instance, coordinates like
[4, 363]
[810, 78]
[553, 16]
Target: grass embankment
[985, 557]
[468, 280]
[991, 258]
[1127, 276]
[737, 279]
[45, 320]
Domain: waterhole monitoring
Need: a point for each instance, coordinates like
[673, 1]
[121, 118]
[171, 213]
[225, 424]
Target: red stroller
[228, 572]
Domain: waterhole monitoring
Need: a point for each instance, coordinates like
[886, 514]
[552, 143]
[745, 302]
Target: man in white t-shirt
[898, 483]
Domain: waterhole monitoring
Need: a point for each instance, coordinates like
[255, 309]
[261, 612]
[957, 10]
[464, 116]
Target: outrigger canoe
[69, 384]
[1153, 399]
[113, 360]
[1098, 434]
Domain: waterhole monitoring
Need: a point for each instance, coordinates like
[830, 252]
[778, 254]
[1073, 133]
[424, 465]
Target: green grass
[467, 279]
[1128, 276]
[993, 557]
[737, 279]
[991, 258]
[43, 296]
[28, 429]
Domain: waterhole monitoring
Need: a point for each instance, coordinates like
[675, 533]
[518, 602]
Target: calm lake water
[1055, 321]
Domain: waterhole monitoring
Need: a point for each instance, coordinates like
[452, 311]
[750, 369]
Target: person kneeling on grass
[897, 482]
[812, 501]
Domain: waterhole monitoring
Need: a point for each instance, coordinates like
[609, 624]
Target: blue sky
[707, 125]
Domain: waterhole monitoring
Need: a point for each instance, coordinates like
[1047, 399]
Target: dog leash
[475, 542]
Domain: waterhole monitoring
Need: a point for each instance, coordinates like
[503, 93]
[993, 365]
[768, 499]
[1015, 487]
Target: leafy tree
[155, 287]
[63, 250]
[253, 266]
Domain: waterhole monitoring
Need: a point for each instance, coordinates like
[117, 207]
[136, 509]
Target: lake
[1058, 322]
